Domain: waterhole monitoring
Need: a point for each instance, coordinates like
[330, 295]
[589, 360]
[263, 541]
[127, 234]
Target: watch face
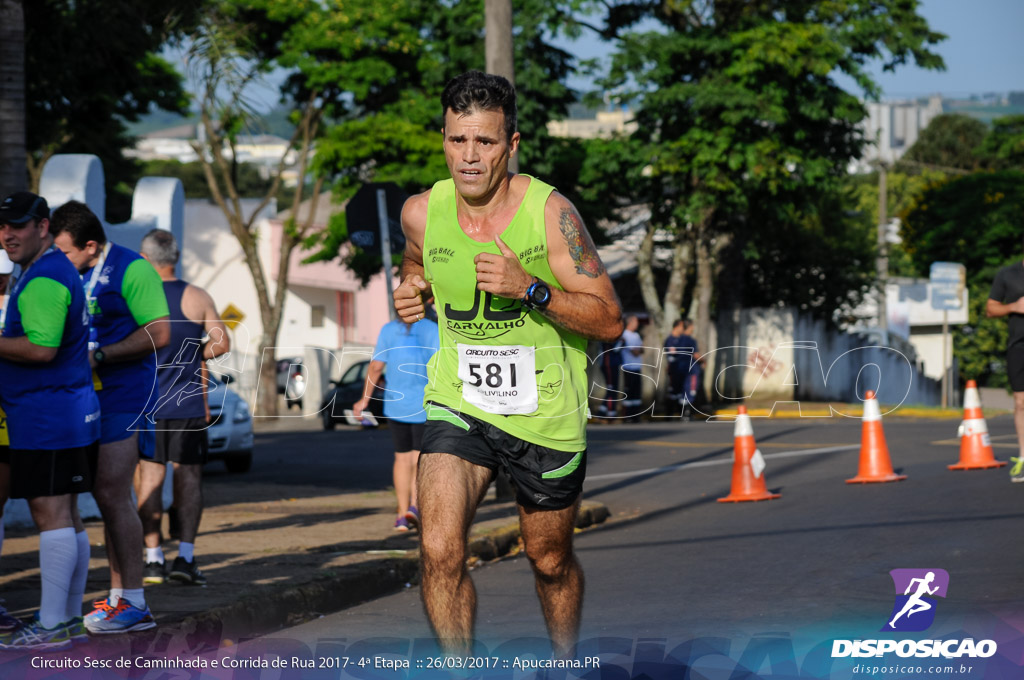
[541, 295]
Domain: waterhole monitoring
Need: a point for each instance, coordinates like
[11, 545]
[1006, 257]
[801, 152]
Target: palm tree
[12, 97]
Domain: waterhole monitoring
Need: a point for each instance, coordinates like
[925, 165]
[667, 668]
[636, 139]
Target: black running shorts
[407, 436]
[1015, 367]
[181, 440]
[544, 478]
[37, 473]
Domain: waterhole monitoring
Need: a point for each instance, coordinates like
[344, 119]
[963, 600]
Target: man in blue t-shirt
[406, 348]
[52, 414]
[125, 297]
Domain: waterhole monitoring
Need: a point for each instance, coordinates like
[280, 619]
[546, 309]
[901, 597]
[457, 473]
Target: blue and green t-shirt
[50, 405]
[128, 295]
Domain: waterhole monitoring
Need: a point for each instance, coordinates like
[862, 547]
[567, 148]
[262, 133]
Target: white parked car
[230, 433]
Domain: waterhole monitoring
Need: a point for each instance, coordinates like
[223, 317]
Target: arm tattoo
[581, 248]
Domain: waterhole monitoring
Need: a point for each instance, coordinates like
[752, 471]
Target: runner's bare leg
[450, 489]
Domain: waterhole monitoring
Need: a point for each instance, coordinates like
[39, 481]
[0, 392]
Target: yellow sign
[232, 316]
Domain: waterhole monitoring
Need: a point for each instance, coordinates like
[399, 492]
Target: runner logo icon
[914, 608]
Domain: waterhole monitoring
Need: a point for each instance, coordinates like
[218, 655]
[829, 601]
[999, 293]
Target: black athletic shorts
[1015, 367]
[544, 478]
[36, 473]
[181, 440]
[5, 454]
[407, 436]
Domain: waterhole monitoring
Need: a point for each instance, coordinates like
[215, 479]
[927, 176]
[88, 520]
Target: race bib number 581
[499, 379]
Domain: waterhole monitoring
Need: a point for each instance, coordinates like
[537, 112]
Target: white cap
[6, 266]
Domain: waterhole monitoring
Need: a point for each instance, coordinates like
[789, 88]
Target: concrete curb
[268, 608]
[332, 591]
[500, 542]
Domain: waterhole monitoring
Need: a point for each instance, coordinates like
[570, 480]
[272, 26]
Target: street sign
[232, 316]
[363, 217]
[947, 280]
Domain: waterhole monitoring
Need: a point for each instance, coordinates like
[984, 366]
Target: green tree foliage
[344, 61]
[949, 141]
[737, 99]
[90, 66]
[975, 220]
[363, 80]
[395, 136]
[902, 191]
[1004, 146]
[818, 260]
[980, 345]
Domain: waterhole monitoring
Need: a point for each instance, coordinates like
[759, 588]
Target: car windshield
[355, 373]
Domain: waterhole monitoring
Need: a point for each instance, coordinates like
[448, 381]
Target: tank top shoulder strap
[175, 290]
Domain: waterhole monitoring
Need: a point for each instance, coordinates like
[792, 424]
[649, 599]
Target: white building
[913, 326]
[605, 124]
[893, 127]
[175, 143]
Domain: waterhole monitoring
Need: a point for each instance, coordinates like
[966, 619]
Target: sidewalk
[272, 563]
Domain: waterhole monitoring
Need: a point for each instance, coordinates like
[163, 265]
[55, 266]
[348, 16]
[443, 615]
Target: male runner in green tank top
[519, 289]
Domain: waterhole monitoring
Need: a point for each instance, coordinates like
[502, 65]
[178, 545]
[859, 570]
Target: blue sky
[984, 51]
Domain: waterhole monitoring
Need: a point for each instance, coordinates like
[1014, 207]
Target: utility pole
[882, 263]
[498, 54]
[498, 47]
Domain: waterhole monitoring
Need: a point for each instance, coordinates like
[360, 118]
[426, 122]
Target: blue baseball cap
[22, 206]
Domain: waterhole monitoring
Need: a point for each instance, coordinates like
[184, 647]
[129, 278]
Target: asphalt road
[674, 566]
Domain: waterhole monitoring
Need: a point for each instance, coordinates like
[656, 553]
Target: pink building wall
[369, 306]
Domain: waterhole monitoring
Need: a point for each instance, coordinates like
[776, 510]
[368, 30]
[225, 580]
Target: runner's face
[477, 151]
[82, 258]
[24, 241]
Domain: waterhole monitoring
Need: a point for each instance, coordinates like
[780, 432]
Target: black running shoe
[8, 624]
[184, 571]
[154, 572]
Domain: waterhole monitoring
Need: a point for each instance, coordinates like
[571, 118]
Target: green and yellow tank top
[499, 361]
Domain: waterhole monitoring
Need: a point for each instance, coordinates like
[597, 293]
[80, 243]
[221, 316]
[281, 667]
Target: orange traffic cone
[747, 465]
[875, 465]
[975, 445]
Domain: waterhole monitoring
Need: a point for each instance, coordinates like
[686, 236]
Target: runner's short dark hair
[78, 220]
[479, 91]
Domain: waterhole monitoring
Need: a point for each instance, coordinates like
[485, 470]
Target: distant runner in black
[1007, 299]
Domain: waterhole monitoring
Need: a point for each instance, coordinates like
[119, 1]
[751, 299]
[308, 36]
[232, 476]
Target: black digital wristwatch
[538, 295]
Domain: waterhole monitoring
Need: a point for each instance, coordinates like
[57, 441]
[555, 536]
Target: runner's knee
[111, 496]
[550, 559]
[441, 552]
